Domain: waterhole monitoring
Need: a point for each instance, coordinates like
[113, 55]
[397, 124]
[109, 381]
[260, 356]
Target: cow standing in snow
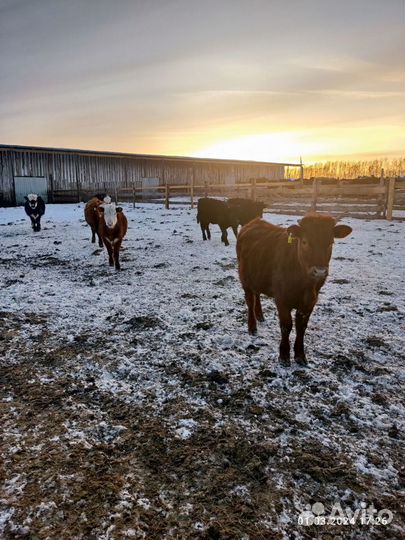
[92, 216]
[246, 209]
[231, 213]
[112, 228]
[34, 208]
[217, 212]
[289, 265]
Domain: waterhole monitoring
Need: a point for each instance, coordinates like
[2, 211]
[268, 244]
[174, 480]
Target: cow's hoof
[284, 360]
[260, 319]
[301, 360]
[253, 331]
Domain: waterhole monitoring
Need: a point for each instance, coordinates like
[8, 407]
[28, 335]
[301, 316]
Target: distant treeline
[351, 169]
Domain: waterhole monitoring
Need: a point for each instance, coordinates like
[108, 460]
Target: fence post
[192, 189]
[133, 195]
[167, 196]
[116, 193]
[78, 189]
[383, 198]
[301, 172]
[390, 198]
[314, 195]
[51, 186]
[205, 188]
[253, 189]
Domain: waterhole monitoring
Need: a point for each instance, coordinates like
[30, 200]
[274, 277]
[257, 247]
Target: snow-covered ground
[135, 404]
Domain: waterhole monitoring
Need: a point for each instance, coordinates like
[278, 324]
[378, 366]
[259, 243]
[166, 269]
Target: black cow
[246, 209]
[34, 208]
[231, 213]
[216, 212]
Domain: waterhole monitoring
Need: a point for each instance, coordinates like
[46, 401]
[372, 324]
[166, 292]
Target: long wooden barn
[60, 174]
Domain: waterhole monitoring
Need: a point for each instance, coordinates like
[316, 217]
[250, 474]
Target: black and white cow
[34, 208]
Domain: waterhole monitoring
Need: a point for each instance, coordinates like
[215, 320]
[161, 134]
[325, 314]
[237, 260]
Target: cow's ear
[341, 231]
[25, 197]
[295, 230]
[118, 209]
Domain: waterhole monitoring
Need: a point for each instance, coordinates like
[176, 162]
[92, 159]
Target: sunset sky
[267, 80]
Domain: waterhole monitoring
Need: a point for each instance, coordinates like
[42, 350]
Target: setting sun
[310, 145]
[283, 146]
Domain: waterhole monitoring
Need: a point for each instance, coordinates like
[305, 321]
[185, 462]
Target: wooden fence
[342, 198]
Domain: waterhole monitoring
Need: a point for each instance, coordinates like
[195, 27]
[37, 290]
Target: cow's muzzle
[318, 273]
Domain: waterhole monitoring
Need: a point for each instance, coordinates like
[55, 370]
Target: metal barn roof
[98, 153]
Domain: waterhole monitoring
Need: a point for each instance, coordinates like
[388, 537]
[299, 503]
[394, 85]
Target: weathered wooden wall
[73, 172]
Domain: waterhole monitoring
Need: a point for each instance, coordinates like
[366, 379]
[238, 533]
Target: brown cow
[112, 228]
[92, 217]
[289, 265]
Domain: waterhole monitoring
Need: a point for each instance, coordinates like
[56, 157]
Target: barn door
[24, 185]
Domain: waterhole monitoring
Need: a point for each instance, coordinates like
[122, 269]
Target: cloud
[183, 70]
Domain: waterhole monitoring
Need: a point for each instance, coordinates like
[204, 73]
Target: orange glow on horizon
[313, 145]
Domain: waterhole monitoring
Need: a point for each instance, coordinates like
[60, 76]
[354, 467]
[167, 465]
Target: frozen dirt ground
[135, 404]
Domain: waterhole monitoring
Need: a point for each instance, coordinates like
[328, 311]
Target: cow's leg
[110, 253]
[235, 231]
[224, 236]
[93, 235]
[100, 240]
[250, 302]
[284, 315]
[39, 224]
[32, 222]
[117, 247]
[207, 228]
[258, 308]
[301, 321]
[203, 227]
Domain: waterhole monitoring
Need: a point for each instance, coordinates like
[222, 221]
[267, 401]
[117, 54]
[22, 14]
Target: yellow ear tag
[290, 238]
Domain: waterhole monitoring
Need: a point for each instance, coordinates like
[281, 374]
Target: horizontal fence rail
[343, 198]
